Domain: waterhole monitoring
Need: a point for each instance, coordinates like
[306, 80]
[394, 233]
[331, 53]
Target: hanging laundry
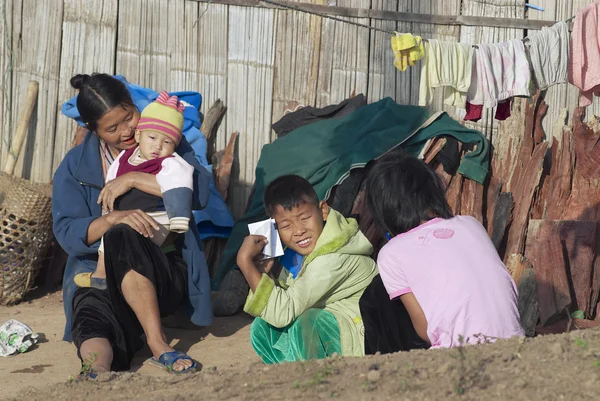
[475, 111]
[584, 66]
[446, 65]
[408, 49]
[501, 72]
[549, 55]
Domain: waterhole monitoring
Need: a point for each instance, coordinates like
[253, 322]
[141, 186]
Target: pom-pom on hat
[164, 115]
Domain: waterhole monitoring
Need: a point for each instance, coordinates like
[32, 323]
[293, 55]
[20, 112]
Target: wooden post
[21, 131]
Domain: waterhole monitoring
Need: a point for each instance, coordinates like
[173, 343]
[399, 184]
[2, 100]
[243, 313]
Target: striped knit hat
[164, 115]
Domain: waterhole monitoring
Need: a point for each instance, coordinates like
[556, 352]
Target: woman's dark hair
[98, 94]
[402, 191]
[288, 191]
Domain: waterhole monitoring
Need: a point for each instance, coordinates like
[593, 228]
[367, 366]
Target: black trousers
[388, 327]
[106, 314]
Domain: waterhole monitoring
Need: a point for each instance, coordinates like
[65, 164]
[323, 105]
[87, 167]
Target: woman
[144, 282]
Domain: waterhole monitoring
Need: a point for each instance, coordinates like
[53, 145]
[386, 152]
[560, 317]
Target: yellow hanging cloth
[408, 49]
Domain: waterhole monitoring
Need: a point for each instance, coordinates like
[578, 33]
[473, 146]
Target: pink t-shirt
[454, 272]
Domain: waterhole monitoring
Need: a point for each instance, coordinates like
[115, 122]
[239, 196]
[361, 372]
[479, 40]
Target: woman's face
[117, 127]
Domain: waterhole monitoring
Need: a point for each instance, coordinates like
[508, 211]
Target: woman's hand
[138, 220]
[112, 190]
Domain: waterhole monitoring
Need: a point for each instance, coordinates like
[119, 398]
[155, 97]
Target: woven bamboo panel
[249, 92]
[89, 30]
[36, 43]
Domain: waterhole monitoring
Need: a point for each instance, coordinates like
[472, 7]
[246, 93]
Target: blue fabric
[74, 207]
[215, 220]
[292, 261]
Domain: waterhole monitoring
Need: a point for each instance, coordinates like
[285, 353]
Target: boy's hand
[264, 265]
[251, 248]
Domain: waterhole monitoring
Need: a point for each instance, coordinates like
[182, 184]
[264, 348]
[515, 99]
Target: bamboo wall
[258, 61]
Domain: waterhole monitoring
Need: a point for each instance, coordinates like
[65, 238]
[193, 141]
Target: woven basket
[25, 234]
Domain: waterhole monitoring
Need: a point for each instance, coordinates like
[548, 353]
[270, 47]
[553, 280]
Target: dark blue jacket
[74, 207]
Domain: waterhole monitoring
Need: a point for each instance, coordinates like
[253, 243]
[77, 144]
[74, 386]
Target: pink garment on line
[584, 65]
[456, 275]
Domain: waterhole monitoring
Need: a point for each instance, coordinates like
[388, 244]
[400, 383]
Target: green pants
[313, 335]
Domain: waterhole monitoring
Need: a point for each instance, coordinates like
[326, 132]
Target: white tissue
[267, 229]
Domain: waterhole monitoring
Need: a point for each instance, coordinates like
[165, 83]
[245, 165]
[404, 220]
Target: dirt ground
[557, 367]
[225, 344]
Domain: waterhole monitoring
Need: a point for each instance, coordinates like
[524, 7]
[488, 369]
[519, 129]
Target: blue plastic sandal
[168, 359]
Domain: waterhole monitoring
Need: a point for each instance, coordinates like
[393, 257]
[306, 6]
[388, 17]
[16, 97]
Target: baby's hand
[251, 248]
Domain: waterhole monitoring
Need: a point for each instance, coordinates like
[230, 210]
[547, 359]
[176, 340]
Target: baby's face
[154, 144]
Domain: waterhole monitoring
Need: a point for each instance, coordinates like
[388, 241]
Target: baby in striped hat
[158, 133]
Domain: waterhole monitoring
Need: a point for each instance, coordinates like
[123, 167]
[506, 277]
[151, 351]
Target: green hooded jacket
[333, 277]
[324, 153]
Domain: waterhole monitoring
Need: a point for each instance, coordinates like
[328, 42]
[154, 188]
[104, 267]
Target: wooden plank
[357, 12]
[454, 193]
[36, 32]
[222, 163]
[494, 186]
[472, 200]
[583, 200]
[87, 33]
[561, 177]
[213, 38]
[251, 53]
[502, 218]
[296, 61]
[526, 186]
[545, 251]
[579, 243]
[522, 272]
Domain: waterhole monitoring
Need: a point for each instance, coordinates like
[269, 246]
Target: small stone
[320, 362]
[444, 368]
[266, 369]
[557, 349]
[377, 353]
[104, 377]
[373, 376]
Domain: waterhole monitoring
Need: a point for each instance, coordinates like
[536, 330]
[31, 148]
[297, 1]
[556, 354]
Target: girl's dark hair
[98, 94]
[402, 191]
[288, 191]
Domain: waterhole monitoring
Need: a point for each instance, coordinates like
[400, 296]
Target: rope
[295, 8]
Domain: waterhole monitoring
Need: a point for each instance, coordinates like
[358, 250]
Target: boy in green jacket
[314, 314]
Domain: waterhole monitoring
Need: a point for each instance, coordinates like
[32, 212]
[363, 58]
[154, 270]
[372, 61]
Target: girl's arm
[417, 316]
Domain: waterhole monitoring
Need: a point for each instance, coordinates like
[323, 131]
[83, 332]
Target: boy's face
[301, 227]
[154, 144]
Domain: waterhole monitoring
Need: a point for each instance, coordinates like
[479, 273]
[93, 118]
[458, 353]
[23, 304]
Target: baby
[158, 133]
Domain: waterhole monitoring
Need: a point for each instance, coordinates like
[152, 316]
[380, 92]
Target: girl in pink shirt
[444, 270]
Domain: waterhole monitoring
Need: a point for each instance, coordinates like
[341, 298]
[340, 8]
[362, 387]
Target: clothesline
[322, 15]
